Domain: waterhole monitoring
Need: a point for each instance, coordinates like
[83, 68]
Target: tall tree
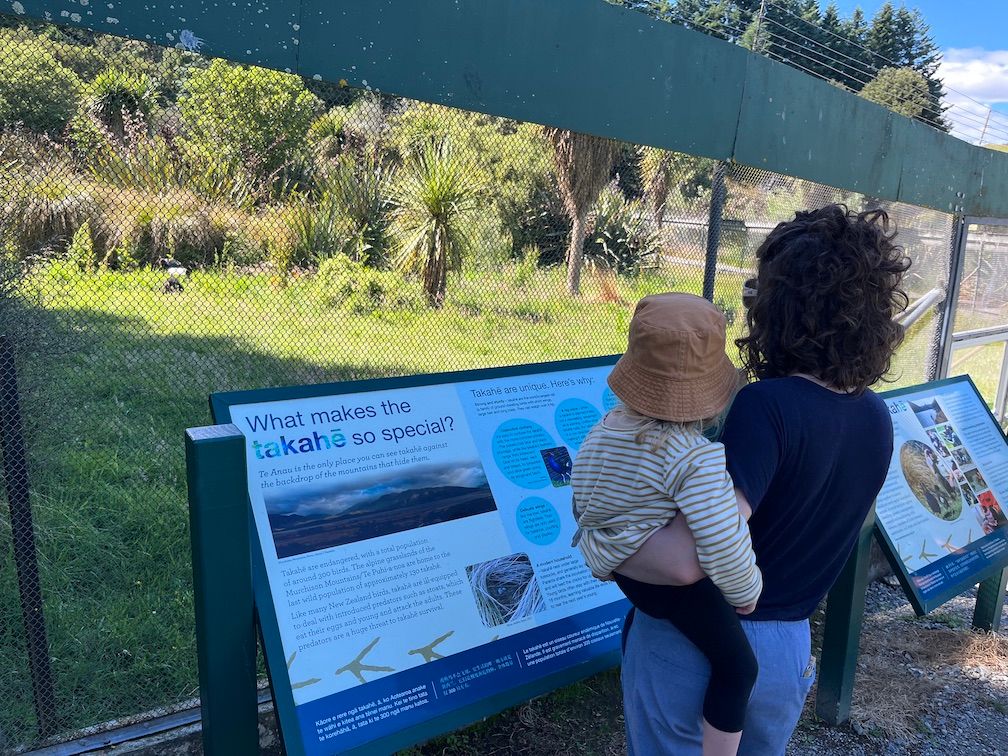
[849, 52]
[883, 37]
[926, 58]
[859, 61]
[843, 64]
[583, 167]
[719, 18]
[660, 9]
[811, 40]
[905, 32]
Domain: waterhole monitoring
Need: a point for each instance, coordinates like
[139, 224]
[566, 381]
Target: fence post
[990, 602]
[714, 217]
[222, 587]
[940, 352]
[16, 482]
[842, 631]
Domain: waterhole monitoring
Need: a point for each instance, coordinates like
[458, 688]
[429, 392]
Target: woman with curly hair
[808, 446]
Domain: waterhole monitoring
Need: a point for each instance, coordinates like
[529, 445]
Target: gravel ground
[945, 700]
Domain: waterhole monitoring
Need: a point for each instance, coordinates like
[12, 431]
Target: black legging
[710, 623]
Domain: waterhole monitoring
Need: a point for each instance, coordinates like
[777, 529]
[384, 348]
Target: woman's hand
[747, 609]
[669, 556]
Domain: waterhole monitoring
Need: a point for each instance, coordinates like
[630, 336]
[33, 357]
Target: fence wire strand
[172, 225]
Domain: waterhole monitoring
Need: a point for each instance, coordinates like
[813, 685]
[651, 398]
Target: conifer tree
[926, 57]
[883, 38]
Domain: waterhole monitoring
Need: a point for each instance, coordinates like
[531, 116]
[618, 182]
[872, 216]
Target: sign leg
[990, 602]
[842, 632]
[222, 584]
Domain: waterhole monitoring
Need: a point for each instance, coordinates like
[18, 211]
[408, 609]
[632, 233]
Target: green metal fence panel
[796, 125]
[942, 170]
[257, 32]
[583, 66]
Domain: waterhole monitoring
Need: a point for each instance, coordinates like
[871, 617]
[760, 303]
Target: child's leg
[701, 613]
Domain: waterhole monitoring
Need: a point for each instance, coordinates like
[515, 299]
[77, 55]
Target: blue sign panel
[941, 511]
[414, 563]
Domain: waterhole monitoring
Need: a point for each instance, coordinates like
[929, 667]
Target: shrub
[513, 158]
[81, 250]
[329, 136]
[318, 231]
[193, 238]
[628, 171]
[150, 163]
[268, 235]
[35, 89]
[138, 227]
[349, 284]
[45, 212]
[621, 239]
[116, 95]
[360, 191]
[438, 201]
[39, 151]
[903, 90]
[526, 267]
[663, 172]
[252, 116]
[538, 220]
[727, 309]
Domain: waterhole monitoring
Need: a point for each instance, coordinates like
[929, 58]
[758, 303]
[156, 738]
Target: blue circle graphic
[538, 521]
[609, 399]
[516, 449]
[574, 418]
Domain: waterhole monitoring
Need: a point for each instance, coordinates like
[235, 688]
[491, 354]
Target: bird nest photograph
[505, 589]
[926, 478]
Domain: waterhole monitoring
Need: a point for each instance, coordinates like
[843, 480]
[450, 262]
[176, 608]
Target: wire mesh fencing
[981, 313]
[173, 225]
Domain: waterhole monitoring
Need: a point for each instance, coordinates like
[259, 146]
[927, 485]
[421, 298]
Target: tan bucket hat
[675, 367]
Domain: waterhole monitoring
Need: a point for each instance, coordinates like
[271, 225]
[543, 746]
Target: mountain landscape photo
[320, 516]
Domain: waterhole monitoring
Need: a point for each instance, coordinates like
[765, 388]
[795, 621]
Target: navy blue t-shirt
[811, 462]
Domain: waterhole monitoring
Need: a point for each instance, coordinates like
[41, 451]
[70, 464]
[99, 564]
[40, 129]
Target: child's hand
[747, 609]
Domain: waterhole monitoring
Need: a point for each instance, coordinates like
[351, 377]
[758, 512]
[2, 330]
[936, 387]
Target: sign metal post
[222, 583]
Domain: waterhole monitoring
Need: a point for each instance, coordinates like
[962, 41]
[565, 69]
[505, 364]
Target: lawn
[113, 370]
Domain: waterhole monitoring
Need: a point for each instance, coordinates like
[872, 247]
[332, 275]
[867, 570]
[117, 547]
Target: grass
[113, 370]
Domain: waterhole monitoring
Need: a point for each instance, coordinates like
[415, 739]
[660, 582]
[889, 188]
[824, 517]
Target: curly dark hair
[827, 289]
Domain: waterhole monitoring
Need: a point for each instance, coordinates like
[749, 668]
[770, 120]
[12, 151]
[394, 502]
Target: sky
[973, 36]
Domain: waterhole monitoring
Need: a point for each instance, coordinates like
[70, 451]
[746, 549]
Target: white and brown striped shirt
[632, 475]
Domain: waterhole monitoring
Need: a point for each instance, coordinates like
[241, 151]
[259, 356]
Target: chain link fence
[172, 225]
[982, 306]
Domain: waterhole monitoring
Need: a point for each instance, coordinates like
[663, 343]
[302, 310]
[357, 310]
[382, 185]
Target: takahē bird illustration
[559, 467]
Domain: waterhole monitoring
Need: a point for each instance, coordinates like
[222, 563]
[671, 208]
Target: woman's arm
[669, 556]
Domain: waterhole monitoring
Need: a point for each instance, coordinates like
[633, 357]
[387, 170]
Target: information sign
[941, 512]
[413, 565]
